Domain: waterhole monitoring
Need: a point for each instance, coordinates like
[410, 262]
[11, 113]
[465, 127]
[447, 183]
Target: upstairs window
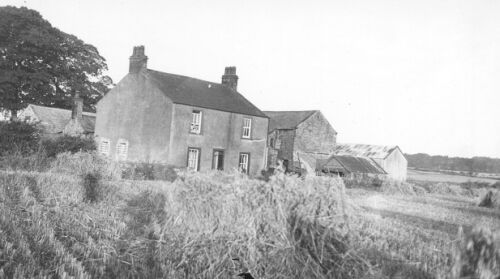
[193, 160]
[104, 146]
[247, 128]
[195, 127]
[122, 149]
[244, 162]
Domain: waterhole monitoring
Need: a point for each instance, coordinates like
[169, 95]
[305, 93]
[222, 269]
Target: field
[442, 177]
[429, 223]
[80, 220]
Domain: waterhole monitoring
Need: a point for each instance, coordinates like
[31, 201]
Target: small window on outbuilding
[104, 146]
[277, 144]
[122, 149]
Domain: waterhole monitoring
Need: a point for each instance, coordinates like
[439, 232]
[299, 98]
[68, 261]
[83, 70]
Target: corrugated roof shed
[200, 93]
[56, 119]
[287, 119]
[364, 150]
[350, 164]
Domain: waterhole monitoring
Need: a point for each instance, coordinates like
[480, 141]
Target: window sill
[197, 134]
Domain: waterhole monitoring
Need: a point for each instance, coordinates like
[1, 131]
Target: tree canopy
[470, 165]
[39, 64]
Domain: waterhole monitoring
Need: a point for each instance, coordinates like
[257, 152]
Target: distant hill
[440, 163]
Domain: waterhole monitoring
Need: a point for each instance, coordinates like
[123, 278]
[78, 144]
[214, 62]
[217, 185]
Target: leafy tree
[40, 64]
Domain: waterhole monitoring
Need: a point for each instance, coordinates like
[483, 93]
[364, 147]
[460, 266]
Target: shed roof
[364, 150]
[351, 164]
[196, 92]
[57, 118]
[287, 119]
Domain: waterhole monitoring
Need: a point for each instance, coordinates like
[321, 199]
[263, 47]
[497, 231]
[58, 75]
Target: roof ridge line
[88, 112]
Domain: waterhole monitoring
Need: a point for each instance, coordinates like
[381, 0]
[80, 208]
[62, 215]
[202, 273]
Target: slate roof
[364, 150]
[56, 119]
[195, 92]
[350, 164]
[287, 119]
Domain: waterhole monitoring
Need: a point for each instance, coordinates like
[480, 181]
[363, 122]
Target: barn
[299, 138]
[390, 158]
[349, 166]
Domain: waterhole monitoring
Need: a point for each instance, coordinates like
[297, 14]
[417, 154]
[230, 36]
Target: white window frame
[247, 128]
[244, 165]
[196, 120]
[122, 149]
[104, 146]
[193, 164]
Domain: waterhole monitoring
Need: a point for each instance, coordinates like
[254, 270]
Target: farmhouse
[158, 117]
[389, 158]
[299, 138]
[55, 121]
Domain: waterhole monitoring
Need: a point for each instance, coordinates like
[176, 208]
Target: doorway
[218, 159]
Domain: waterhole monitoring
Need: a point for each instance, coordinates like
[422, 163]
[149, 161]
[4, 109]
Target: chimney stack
[77, 111]
[138, 60]
[230, 79]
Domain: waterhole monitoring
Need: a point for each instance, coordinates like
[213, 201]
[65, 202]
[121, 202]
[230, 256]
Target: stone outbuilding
[54, 122]
[157, 117]
[390, 158]
[298, 139]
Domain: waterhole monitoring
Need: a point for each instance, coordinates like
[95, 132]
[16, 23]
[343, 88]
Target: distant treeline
[469, 165]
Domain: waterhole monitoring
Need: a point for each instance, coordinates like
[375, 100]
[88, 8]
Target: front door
[218, 160]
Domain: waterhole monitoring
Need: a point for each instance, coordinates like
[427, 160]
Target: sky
[420, 74]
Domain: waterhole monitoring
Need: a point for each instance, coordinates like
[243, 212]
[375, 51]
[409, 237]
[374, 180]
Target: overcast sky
[421, 74]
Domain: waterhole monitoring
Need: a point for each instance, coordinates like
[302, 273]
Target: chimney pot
[230, 79]
[138, 60]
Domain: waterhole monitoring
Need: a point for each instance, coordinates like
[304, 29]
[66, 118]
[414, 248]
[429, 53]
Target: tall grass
[83, 163]
[80, 220]
[287, 227]
[477, 255]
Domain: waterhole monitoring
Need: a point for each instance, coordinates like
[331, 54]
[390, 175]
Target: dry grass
[491, 199]
[216, 225]
[285, 228]
[477, 255]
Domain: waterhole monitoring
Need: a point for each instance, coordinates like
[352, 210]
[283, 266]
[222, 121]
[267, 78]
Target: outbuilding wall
[315, 135]
[395, 164]
[282, 149]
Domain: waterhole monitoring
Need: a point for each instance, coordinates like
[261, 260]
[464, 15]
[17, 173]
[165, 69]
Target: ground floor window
[218, 160]
[122, 149]
[193, 160]
[244, 162]
[104, 146]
